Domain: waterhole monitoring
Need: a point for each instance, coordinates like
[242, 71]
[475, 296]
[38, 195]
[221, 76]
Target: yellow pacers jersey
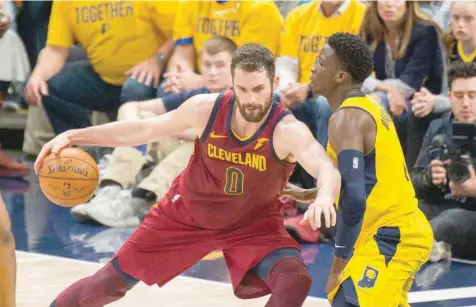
[115, 34]
[306, 30]
[396, 238]
[390, 192]
[257, 21]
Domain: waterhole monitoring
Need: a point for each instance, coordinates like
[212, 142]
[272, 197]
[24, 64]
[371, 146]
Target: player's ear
[275, 83]
[342, 77]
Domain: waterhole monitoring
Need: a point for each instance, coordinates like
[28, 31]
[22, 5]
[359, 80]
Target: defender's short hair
[354, 55]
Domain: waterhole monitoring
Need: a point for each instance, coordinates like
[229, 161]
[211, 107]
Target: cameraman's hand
[467, 188]
[438, 172]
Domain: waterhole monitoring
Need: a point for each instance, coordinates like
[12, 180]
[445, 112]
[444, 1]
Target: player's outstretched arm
[348, 129]
[294, 141]
[193, 113]
[7, 262]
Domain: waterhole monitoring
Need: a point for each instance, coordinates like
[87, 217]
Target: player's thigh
[163, 246]
[263, 268]
[245, 247]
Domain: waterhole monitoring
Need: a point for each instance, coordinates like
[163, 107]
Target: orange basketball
[69, 178]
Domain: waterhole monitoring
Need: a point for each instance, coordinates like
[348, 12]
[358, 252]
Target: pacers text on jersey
[104, 11]
[248, 159]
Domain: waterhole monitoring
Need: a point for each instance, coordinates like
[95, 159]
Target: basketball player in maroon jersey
[227, 197]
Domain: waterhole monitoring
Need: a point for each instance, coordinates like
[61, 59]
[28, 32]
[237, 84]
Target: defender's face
[254, 93]
[323, 72]
[463, 99]
[216, 70]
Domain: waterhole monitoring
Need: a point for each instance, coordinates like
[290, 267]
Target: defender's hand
[313, 214]
[438, 172]
[53, 146]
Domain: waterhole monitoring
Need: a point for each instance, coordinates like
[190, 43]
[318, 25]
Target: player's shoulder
[351, 118]
[288, 126]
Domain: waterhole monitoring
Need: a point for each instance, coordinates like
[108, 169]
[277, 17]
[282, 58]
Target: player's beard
[254, 113]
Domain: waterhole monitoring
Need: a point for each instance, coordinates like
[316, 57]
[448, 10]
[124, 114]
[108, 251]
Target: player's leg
[7, 262]
[381, 269]
[106, 286]
[164, 245]
[262, 258]
[340, 300]
[286, 276]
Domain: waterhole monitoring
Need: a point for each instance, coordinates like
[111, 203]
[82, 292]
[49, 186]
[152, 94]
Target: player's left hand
[316, 209]
[147, 72]
[333, 281]
[467, 188]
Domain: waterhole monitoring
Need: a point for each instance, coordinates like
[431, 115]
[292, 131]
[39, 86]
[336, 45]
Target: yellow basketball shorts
[380, 272]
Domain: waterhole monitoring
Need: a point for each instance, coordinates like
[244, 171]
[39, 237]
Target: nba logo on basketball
[368, 278]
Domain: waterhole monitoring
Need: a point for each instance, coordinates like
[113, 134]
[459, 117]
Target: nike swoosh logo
[339, 246]
[216, 136]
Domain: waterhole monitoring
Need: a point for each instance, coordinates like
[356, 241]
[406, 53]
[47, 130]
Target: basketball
[69, 178]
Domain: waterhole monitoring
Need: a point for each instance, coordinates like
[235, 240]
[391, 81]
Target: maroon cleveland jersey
[228, 181]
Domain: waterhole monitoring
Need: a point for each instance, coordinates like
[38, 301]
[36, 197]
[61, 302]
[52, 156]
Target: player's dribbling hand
[53, 146]
[314, 212]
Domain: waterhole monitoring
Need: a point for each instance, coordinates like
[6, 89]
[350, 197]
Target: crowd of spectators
[71, 64]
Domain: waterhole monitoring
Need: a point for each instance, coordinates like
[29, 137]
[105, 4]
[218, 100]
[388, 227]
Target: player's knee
[290, 273]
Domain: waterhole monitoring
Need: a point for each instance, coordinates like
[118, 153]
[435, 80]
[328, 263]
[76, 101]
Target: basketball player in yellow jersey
[7, 259]
[382, 237]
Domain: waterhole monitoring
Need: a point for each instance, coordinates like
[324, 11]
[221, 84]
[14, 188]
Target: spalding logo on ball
[69, 178]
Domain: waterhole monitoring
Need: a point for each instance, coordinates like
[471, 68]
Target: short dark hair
[354, 55]
[219, 44]
[253, 57]
[461, 70]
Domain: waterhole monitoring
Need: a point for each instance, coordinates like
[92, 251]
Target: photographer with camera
[444, 176]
